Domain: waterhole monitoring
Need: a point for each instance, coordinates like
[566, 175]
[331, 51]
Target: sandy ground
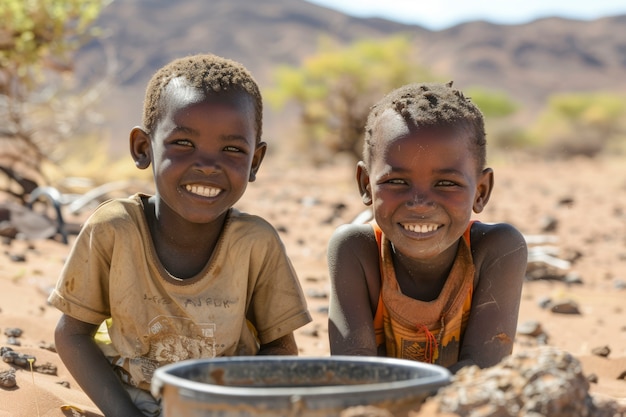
[579, 205]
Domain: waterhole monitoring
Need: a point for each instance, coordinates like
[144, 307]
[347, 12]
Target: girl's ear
[363, 180]
[483, 190]
[140, 145]
[257, 158]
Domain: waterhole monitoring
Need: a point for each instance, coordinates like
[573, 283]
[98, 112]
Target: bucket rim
[437, 376]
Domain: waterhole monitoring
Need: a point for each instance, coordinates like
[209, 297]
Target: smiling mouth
[420, 228]
[203, 191]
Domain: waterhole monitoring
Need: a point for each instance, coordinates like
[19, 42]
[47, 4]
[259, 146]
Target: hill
[529, 62]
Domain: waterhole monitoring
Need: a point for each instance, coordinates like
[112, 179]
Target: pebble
[16, 358]
[13, 341]
[603, 351]
[7, 378]
[313, 293]
[13, 332]
[544, 302]
[619, 284]
[573, 278]
[46, 368]
[565, 307]
[530, 328]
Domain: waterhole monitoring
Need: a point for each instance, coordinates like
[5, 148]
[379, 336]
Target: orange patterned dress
[426, 331]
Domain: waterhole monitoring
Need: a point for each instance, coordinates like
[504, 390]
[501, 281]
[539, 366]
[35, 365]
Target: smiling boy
[180, 274]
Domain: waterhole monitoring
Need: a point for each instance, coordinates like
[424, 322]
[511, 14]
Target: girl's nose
[420, 199]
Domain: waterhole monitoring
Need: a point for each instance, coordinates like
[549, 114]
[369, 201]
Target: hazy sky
[441, 14]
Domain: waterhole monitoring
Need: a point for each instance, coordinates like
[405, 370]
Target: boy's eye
[395, 181]
[232, 149]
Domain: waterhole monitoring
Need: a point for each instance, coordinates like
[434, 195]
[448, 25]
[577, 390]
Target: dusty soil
[578, 208]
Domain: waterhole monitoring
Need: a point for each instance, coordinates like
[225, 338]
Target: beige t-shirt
[113, 272]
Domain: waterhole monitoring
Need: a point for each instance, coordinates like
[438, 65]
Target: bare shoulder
[353, 262]
[496, 237]
[352, 238]
[492, 241]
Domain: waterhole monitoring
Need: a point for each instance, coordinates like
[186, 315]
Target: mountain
[529, 62]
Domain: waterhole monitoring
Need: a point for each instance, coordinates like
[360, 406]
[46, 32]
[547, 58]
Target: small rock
[7, 378]
[317, 294]
[322, 309]
[619, 284]
[622, 375]
[13, 332]
[47, 369]
[47, 346]
[544, 302]
[592, 378]
[65, 384]
[565, 307]
[5, 349]
[530, 328]
[550, 224]
[602, 351]
[573, 278]
[17, 257]
[19, 359]
[310, 332]
[13, 341]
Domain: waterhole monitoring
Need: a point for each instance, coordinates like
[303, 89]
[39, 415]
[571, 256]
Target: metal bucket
[293, 385]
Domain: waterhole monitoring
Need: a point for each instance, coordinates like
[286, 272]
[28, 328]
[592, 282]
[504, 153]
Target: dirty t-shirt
[248, 293]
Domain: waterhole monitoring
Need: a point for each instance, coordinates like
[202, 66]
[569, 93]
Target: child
[423, 281]
[181, 274]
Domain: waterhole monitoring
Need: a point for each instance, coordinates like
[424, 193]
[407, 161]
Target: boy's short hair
[431, 105]
[209, 72]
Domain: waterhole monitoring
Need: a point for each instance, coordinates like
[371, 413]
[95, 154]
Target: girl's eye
[183, 142]
[232, 149]
[446, 183]
[395, 181]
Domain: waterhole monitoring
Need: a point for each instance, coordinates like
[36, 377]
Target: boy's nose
[207, 162]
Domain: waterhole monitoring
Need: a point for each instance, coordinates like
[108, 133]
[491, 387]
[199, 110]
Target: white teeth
[202, 190]
[421, 228]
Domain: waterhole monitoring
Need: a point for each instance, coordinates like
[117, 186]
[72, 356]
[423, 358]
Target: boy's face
[203, 151]
[423, 185]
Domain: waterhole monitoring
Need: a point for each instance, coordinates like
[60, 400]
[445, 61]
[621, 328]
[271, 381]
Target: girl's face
[423, 185]
[203, 151]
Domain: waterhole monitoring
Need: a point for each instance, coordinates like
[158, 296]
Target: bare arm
[352, 257]
[85, 361]
[285, 345]
[501, 253]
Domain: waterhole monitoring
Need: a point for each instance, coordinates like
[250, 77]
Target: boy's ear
[140, 145]
[257, 158]
[483, 190]
[363, 180]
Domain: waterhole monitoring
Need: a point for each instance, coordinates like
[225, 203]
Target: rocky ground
[570, 351]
